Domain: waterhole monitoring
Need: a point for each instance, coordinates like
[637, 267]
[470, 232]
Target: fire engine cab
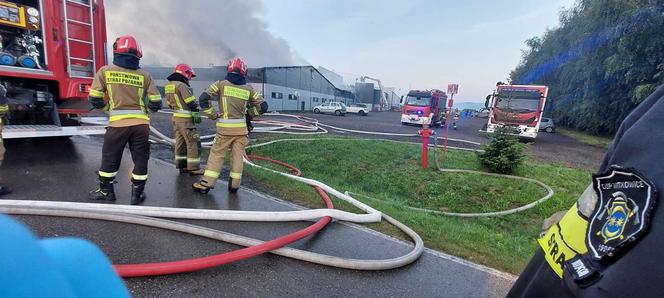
[424, 107]
[49, 53]
[517, 107]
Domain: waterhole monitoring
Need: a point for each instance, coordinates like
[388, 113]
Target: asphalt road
[64, 170]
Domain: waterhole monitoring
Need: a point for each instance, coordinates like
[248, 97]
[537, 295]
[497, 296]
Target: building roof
[217, 72]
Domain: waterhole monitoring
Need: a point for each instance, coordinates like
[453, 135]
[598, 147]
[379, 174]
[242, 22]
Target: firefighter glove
[97, 102]
[193, 106]
[264, 107]
[154, 106]
[213, 116]
[196, 116]
[247, 119]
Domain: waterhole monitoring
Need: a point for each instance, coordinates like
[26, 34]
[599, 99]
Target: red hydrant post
[425, 132]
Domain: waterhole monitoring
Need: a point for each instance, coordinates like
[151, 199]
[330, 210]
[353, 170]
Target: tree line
[605, 58]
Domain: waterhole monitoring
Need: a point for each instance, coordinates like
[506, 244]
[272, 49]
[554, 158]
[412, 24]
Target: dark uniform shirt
[637, 269]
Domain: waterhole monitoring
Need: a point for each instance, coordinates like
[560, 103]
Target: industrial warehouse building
[285, 88]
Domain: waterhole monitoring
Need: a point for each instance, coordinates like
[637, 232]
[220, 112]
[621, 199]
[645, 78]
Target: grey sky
[417, 44]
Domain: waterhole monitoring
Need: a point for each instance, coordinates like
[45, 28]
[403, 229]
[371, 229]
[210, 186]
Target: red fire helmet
[237, 66]
[185, 70]
[127, 44]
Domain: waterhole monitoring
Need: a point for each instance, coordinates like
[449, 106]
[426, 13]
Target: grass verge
[390, 172]
[597, 141]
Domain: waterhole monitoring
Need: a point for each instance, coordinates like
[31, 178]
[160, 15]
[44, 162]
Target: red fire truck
[519, 107]
[49, 53]
[424, 107]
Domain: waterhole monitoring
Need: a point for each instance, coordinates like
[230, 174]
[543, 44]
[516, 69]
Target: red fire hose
[189, 265]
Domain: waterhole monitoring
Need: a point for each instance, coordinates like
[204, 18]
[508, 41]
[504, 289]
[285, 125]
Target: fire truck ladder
[80, 25]
[80, 50]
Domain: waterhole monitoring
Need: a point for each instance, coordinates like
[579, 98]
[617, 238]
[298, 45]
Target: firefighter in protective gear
[127, 93]
[4, 108]
[457, 114]
[443, 117]
[236, 98]
[185, 117]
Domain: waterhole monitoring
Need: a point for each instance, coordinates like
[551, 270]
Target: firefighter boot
[4, 190]
[182, 166]
[233, 185]
[137, 193]
[105, 192]
[201, 187]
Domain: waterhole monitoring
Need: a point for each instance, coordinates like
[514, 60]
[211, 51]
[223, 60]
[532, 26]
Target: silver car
[337, 108]
[547, 125]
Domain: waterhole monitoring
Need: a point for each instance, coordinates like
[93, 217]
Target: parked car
[337, 108]
[483, 113]
[358, 108]
[547, 125]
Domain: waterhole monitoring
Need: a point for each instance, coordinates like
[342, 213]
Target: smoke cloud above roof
[199, 32]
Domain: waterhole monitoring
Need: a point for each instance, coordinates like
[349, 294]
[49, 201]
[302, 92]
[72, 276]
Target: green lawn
[390, 172]
[597, 141]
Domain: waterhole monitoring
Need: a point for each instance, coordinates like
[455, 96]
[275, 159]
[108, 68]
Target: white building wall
[305, 97]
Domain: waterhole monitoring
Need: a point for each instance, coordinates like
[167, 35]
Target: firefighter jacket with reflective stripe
[179, 99]
[126, 92]
[234, 102]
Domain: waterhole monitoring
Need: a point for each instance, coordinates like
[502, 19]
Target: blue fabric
[59, 267]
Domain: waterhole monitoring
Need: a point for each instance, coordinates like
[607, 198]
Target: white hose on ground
[373, 214]
[210, 214]
[94, 211]
[317, 123]
[548, 195]
[292, 253]
[277, 127]
[549, 191]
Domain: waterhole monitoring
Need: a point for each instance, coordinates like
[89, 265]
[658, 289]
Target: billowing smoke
[198, 32]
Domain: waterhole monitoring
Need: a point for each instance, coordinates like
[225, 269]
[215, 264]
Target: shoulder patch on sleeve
[625, 200]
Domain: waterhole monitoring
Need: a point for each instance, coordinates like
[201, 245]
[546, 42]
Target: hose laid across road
[212, 214]
[315, 122]
[293, 253]
[256, 246]
[189, 265]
